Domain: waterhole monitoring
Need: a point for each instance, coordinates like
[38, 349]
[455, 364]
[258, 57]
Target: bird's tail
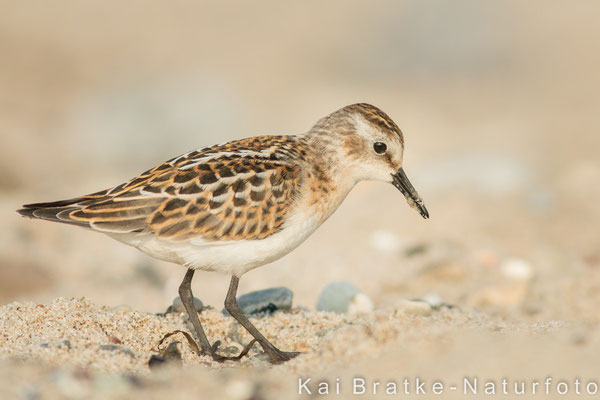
[57, 211]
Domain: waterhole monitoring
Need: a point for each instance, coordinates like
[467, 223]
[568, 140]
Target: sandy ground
[499, 105]
[90, 351]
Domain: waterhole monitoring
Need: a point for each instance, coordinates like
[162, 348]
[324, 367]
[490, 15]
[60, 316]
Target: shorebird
[236, 206]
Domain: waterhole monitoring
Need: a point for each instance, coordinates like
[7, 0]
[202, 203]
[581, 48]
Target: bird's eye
[379, 147]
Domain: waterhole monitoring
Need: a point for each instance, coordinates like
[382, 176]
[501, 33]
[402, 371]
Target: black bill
[400, 180]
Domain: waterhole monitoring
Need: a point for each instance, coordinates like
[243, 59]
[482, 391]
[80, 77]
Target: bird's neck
[328, 184]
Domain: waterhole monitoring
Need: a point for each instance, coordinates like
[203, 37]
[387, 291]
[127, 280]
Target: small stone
[114, 347]
[517, 269]
[360, 304]
[61, 344]
[385, 242]
[434, 300]
[415, 250]
[343, 297]
[265, 301]
[172, 353]
[177, 306]
[414, 307]
[169, 356]
[156, 361]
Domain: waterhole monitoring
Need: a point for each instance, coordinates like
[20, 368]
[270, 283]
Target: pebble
[414, 307]
[114, 347]
[416, 249]
[177, 306]
[265, 301]
[60, 344]
[343, 297]
[517, 269]
[434, 300]
[360, 304]
[170, 355]
[385, 242]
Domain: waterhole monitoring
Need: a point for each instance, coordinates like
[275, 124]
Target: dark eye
[379, 147]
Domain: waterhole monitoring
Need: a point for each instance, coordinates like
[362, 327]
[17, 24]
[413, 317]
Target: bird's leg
[187, 298]
[275, 355]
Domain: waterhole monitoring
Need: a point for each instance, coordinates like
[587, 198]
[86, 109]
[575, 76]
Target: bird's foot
[278, 357]
[209, 351]
[220, 358]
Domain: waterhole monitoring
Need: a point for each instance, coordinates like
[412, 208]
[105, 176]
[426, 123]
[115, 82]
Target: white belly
[231, 257]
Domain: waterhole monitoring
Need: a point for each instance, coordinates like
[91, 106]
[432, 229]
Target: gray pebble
[61, 344]
[265, 301]
[114, 347]
[337, 296]
[177, 306]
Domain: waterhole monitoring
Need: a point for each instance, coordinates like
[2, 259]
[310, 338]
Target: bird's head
[370, 146]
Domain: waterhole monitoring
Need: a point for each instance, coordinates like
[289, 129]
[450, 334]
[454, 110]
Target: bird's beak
[400, 180]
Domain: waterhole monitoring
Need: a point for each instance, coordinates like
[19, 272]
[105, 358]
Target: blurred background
[498, 102]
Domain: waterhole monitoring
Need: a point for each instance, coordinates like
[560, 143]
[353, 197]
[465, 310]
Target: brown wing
[214, 195]
[240, 199]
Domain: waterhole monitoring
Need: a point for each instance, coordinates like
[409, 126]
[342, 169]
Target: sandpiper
[236, 206]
